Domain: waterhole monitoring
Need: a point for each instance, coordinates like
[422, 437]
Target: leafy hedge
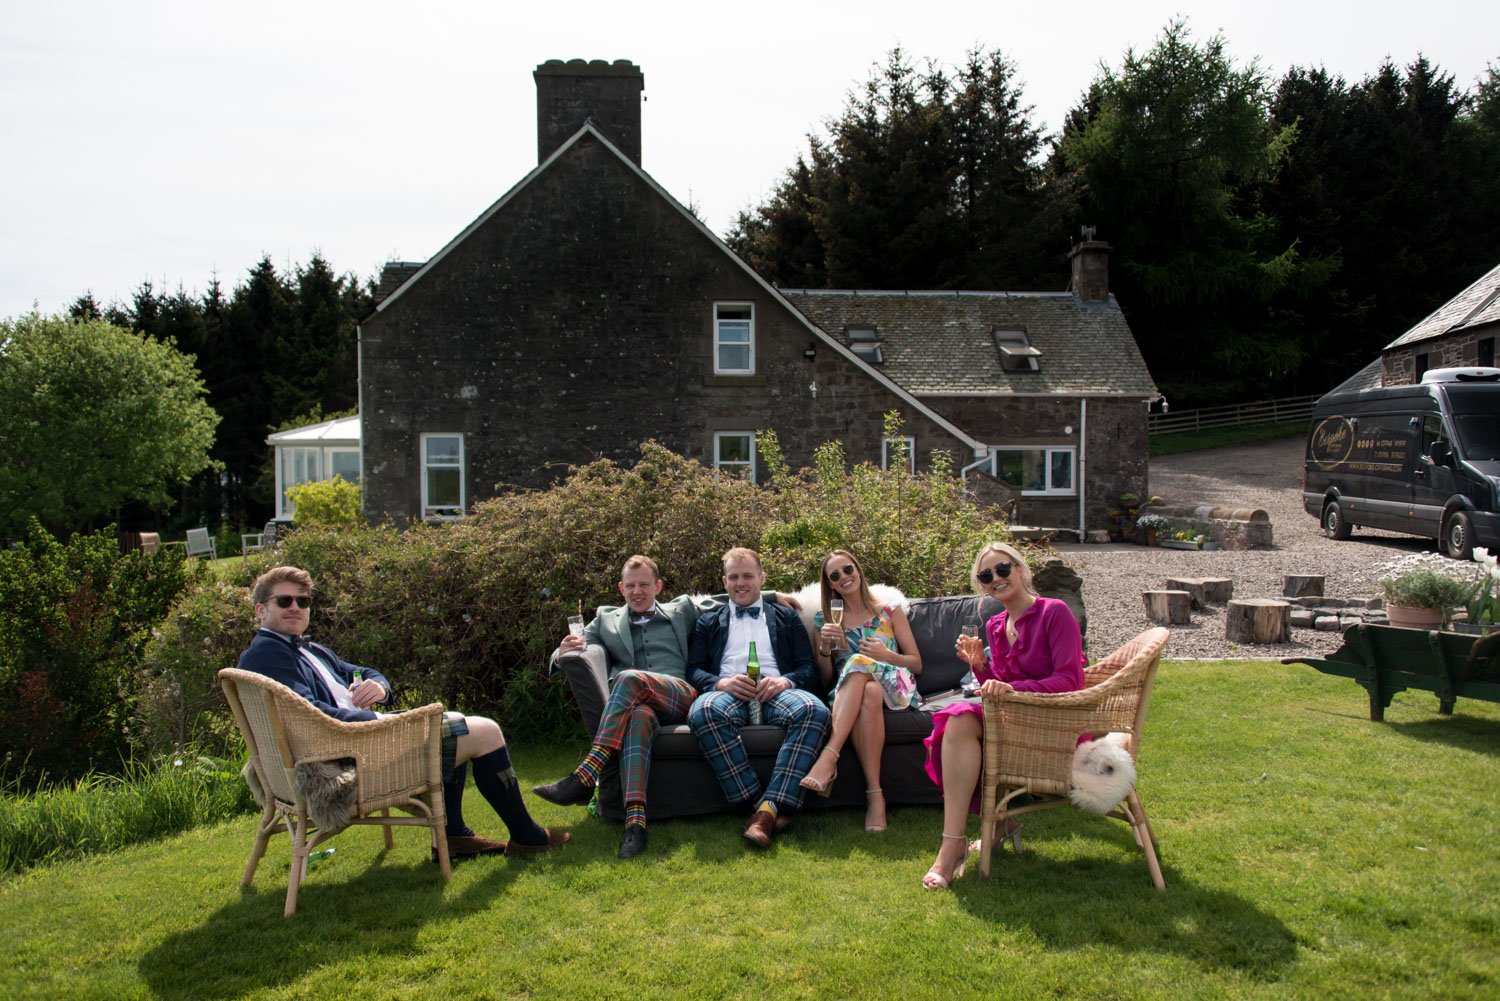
[74, 618]
[468, 612]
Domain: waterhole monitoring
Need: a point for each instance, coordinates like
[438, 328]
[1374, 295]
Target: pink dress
[1046, 657]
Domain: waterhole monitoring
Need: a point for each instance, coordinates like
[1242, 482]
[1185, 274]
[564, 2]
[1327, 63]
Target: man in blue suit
[345, 691]
[717, 654]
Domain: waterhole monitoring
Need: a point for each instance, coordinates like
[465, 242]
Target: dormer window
[1016, 352]
[865, 342]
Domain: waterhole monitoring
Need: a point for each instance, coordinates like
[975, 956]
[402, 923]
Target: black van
[1422, 459]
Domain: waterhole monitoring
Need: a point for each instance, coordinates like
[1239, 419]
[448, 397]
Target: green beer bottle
[752, 671]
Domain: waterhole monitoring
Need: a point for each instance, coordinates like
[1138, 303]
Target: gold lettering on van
[1331, 442]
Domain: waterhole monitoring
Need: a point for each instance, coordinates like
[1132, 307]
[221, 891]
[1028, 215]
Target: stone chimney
[577, 91]
[1090, 268]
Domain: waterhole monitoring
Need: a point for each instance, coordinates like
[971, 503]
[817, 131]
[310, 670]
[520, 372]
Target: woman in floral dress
[876, 657]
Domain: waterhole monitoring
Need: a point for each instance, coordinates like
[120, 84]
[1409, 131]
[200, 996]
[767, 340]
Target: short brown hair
[741, 553]
[261, 593]
[640, 561]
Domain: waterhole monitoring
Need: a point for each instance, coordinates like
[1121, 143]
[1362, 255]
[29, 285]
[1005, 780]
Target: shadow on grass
[247, 946]
[1470, 733]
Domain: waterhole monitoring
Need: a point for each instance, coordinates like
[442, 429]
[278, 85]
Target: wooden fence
[1291, 408]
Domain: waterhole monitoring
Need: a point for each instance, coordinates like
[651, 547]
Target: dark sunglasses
[834, 575]
[988, 576]
[285, 600]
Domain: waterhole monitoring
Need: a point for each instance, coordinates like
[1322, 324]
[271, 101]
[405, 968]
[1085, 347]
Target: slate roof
[1368, 377]
[941, 343]
[1475, 306]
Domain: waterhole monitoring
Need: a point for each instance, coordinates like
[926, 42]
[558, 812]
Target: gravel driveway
[1267, 476]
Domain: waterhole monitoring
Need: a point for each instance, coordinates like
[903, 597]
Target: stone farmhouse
[1459, 333]
[587, 310]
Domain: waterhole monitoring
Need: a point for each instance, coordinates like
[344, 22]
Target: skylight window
[1016, 352]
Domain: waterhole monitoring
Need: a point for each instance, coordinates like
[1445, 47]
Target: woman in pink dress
[1034, 645]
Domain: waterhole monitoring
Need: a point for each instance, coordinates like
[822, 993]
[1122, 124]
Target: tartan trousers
[639, 702]
[716, 718]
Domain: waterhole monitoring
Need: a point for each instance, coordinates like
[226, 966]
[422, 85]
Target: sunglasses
[988, 576]
[834, 575]
[285, 600]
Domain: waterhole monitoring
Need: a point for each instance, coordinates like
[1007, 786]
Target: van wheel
[1334, 525]
[1458, 536]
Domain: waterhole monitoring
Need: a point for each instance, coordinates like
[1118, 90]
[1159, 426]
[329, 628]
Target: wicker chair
[398, 764]
[1029, 739]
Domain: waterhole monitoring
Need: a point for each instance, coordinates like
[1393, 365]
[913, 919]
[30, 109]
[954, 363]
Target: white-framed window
[299, 465]
[442, 475]
[888, 445]
[734, 452]
[734, 338]
[865, 342]
[344, 462]
[1038, 470]
[1016, 352]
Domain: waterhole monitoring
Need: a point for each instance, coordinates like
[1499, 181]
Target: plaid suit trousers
[716, 718]
[638, 703]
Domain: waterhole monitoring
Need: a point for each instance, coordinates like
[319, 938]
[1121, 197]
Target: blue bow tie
[300, 642]
[753, 611]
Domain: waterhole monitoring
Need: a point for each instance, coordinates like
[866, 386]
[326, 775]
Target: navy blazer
[274, 656]
[789, 642]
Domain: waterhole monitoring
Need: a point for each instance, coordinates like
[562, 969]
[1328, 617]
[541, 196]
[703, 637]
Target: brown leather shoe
[462, 846]
[761, 827]
[554, 838]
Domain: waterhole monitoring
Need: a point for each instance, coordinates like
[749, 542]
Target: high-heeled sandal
[874, 829]
[934, 879]
[822, 788]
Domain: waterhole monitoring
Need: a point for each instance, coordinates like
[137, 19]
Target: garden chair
[200, 543]
[1030, 737]
[252, 542]
[397, 765]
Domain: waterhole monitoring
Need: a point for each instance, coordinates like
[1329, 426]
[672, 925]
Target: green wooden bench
[1389, 659]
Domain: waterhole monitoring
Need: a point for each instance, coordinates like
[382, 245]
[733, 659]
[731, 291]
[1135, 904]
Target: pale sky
[168, 141]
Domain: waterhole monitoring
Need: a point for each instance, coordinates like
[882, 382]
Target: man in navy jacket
[345, 691]
[717, 654]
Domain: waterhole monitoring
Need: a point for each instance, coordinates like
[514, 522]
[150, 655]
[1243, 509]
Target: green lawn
[1195, 441]
[1308, 853]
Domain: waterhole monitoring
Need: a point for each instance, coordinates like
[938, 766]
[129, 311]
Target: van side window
[1432, 430]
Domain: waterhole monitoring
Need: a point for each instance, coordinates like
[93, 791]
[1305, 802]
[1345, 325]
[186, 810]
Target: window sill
[734, 380]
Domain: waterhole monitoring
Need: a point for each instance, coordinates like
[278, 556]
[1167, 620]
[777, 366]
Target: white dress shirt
[743, 629]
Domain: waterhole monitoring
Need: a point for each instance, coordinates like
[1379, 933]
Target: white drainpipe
[1083, 447]
[963, 476]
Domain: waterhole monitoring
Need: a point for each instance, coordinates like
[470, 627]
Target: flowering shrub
[1155, 521]
[1425, 580]
[1484, 607]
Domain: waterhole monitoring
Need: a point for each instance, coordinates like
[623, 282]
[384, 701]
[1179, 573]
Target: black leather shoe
[635, 841]
[566, 791]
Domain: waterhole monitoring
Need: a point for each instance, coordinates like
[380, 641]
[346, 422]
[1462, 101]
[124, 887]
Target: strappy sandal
[934, 880]
[822, 788]
[873, 828]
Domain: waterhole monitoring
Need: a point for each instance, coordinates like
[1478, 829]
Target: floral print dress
[897, 683]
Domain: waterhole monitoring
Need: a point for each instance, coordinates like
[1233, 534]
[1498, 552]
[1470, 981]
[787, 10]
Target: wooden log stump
[1217, 590]
[1296, 585]
[1168, 608]
[1192, 585]
[1258, 620]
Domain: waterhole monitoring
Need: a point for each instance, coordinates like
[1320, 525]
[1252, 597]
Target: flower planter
[1412, 617]
[1176, 544]
[1150, 534]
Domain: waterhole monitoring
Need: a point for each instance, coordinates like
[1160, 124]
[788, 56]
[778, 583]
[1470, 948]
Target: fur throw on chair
[329, 788]
[811, 597]
[1103, 773]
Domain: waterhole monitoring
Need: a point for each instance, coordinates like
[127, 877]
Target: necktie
[753, 611]
[300, 642]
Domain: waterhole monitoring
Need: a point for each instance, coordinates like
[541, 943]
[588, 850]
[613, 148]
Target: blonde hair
[826, 586]
[640, 561]
[741, 553]
[1015, 557]
[261, 592]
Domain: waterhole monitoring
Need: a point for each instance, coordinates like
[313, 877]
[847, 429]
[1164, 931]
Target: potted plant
[1422, 591]
[1150, 525]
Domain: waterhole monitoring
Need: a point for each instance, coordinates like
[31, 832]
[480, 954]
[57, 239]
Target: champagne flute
[836, 616]
[970, 633]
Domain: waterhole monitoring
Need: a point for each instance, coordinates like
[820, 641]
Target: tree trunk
[1217, 590]
[1168, 608]
[1258, 620]
[1192, 585]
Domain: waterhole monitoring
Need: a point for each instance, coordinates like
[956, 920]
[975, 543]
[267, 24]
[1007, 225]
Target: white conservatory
[313, 453]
